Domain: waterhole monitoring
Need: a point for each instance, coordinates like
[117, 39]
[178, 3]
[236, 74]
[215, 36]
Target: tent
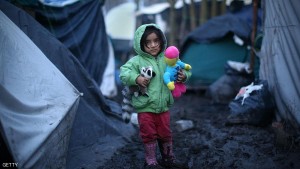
[212, 44]
[80, 27]
[97, 129]
[37, 104]
[120, 26]
[279, 57]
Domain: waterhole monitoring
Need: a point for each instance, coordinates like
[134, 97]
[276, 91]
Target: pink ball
[172, 52]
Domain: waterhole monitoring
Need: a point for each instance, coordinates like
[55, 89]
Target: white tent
[37, 103]
[280, 57]
[120, 21]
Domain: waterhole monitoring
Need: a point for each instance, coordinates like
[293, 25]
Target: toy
[173, 66]
[127, 108]
[130, 91]
[145, 72]
[148, 73]
[245, 91]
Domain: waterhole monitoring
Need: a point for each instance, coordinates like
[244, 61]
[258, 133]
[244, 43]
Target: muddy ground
[213, 144]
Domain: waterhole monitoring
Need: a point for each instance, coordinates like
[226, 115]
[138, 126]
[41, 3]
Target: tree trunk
[214, 7]
[192, 15]
[172, 19]
[183, 27]
[203, 12]
[223, 7]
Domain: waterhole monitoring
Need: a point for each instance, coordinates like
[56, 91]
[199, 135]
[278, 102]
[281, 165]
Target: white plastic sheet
[58, 3]
[37, 103]
[280, 59]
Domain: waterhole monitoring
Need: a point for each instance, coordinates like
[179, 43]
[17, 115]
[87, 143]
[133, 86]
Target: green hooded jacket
[160, 97]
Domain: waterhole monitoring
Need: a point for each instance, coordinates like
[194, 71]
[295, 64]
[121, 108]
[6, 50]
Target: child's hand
[181, 77]
[142, 81]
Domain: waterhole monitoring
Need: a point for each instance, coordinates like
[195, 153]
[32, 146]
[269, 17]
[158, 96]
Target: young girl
[153, 109]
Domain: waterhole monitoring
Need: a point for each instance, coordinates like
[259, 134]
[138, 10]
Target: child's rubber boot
[150, 157]
[168, 158]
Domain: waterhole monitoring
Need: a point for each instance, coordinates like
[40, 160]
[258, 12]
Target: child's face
[152, 45]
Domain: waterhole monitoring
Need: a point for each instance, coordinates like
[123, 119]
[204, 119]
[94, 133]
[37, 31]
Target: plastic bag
[255, 109]
[224, 89]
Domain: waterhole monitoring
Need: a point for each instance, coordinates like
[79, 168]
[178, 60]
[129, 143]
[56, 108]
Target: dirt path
[212, 144]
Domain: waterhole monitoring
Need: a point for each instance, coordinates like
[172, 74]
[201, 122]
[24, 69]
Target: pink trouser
[155, 127]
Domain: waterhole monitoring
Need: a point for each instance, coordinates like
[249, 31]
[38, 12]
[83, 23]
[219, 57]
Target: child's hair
[148, 31]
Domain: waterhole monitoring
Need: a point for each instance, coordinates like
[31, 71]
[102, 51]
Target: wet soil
[213, 144]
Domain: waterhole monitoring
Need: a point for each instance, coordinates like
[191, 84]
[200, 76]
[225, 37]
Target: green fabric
[160, 97]
[208, 60]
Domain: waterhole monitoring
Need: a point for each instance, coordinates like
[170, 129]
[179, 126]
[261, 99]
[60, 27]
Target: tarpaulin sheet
[280, 57]
[37, 104]
[239, 23]
[216, 28]
[81, 28]
[58, 3]
[97, 129]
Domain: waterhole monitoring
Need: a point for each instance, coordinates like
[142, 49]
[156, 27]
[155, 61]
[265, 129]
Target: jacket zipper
[161, 89]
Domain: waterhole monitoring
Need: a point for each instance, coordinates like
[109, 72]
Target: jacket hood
[138, 37]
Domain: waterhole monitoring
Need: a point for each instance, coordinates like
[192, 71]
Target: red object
[179, 90]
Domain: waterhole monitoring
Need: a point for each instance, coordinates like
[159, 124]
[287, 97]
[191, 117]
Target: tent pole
[254, 26]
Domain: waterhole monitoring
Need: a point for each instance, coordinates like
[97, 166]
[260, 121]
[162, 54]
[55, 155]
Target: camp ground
[60, 95]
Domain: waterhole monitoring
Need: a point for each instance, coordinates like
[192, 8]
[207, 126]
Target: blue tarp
[239, 23]
[98, 129]
[81, 28]
[218, 27]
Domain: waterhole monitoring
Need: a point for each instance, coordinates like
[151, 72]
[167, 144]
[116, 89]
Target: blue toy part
[171, 72]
